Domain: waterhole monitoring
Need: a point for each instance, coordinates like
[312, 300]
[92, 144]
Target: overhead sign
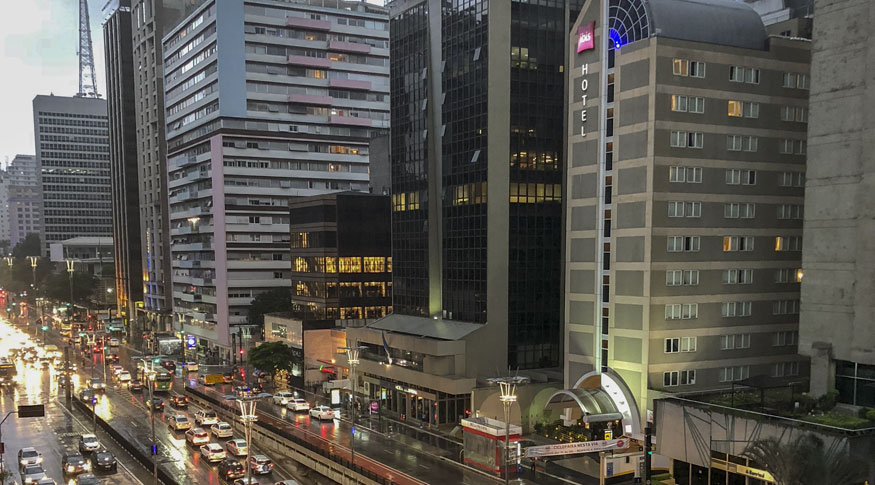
[31, 411]
[585, 37]
[574, 448]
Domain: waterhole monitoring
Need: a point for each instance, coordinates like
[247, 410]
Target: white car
[116, 369]
[282, 398]
[191, 366]
[124, 376]
[204, 418]
[222, 430]
[197, 436]
[213, 452]
[29, 456]
[237, 447]
[88, 443]
[298, 405]
[180, 422]
[114, 342]
[322, 412]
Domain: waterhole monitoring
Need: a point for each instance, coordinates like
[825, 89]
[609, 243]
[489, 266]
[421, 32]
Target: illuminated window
[300, 240]
[469, 194]
[301, 265]
[350, 264]
[330, 264]
[374, 264]
[738, 243]
[788, 243]
[534, 193]
[389, 265]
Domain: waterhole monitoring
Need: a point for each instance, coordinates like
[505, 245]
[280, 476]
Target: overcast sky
[38, 55]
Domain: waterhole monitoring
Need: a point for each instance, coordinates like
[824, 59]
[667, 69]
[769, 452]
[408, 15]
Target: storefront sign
[743, 470]
[375, 407]
[585, 34]
[574, 448]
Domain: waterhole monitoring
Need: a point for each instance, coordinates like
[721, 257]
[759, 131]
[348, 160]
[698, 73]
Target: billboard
[585, 37]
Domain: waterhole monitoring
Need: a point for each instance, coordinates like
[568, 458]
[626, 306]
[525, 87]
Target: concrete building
[476, 154]
[72, 154]
[686, 163]
[123, 163]
[150, 21]
[5, 184]
[25, 199]
[265, 101]
[836, 328]
[788, 18]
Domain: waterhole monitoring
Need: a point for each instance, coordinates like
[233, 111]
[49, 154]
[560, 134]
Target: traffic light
[45, 328]
[156, 360]
[648, 452]
[241, 351]
[154, 449]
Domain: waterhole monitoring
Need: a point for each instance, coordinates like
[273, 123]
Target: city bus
[163, 381]
[66, 328]
[7, 373]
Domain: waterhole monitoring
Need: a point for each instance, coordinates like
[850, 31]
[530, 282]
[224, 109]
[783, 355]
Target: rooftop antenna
[87, 79]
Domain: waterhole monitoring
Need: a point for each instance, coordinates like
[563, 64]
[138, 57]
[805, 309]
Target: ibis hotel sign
[585, 42]
[585, 34]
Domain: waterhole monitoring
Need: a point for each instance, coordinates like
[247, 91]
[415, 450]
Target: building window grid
[734, 373]
[731, 309]
[741, 74]
[785, 337]
[684, 209]
[735, 341]
[736, 176]
[790, 211]
[677, 244]
[737, 277]
[686, 67]
[690, 175]
[687, 104]
[739, 210]
[681, 311]
[682, 277]
[680, 344]
[788, 243]
[741, 143]
[738, 243]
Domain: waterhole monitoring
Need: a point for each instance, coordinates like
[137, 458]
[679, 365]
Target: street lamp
[247, 416]
[507, 386]
[352, 357]
[149, 376]
[70, 266]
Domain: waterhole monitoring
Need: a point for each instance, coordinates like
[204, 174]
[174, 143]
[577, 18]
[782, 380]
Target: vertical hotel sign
[585, 42]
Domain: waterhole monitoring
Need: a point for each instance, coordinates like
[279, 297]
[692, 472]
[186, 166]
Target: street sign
[609, 434]
[31, 411]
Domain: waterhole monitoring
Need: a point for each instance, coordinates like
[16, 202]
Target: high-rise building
[123, 162]
[265, 101]
[686, 163]
[5, 183]
[25, 199]
[72, 154]
[836, 328]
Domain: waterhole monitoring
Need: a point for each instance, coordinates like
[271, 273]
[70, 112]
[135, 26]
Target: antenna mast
[87, 81]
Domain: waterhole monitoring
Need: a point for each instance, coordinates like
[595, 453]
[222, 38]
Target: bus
[66, 327]
[7, 373]
[163, 381]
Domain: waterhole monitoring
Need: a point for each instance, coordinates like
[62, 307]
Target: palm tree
[805, 461]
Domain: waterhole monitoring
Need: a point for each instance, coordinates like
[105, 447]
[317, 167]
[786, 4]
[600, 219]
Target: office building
[836, 328]
[72, 155]
[476, 154]
[686, 150]
[341, 252]
[150, 20]
[788, 18]
[5, 183]
[123, 162]
[25, 208]
[265, 101]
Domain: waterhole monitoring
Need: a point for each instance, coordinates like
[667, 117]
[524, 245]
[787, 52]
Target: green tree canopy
[29, 246]
[57, 286]
[19, 277]
[272, 357]
[272, 301]
[805, 461]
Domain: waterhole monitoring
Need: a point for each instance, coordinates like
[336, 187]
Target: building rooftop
[425, 327]
[87, 241]
[722, 22]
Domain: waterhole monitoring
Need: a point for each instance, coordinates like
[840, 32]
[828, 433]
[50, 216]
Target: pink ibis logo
[585, 35]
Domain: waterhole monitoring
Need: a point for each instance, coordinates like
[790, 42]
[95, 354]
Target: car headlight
[70, 468]
[39, 459]
[23, 462]
[88, 466]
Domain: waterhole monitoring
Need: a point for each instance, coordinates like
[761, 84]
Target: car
[206, 417]
[191, 366]
[231, 468]
[87, 479]
[115, 368]
[62, 381]
[103, 460]
[69, 366]
[32, 474]
[242, 391]
[228, 377]
[260, 464]
[169, 365]
[288, 482]
[213, 452]
[197, 436]
[237, 447]
[246, 481]
[298, 405]
[114, 342]
[322, 412]
[47, 481]
[96, 384]
[180, 422]
[156, 404]
[88, 443]
[282, 398]
[178, 401]
[135, 385]
[222, 430]
[112, 358]
[29, 456]
[124, 377]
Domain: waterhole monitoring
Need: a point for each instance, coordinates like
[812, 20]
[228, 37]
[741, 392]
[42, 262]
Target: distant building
[5, 184]
[380, 180]
[787, 18]
[25, 199]
[72, 154]
[315, 347]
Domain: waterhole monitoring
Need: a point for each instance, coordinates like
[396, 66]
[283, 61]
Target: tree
[271, 301]
[805, 461]
[57, 286]
[29, 246]
[273, 357]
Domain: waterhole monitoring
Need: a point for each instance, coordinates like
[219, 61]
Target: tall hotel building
[72, 152]
[265, 101]
[686, 166]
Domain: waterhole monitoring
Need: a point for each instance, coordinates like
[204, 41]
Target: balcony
[349, 84]
[350, 120]
[309, 61]
[349, 47]
[308, 23]
[305, 99]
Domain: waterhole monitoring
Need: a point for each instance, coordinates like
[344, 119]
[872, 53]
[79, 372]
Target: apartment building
[686, 171]
[264, 101]
[25, 200]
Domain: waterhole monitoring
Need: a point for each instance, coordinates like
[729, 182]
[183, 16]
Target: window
[788, 275]
[670, 379]
[794, 80]
[747, 75]
[731, 309]
[684, 139]
[788, 243]
[736, 373]
[793, 147]
[790, 211]
[785, 337]
[791, 179]
[684, 67]
[679, 102]
[785, 307]
[683, 344]
[691, 104]
[794, 113]
[684, 209]
[735, 341]
[743, 109]
[681, 311]
[738, 277]
[690, 175]
[744, 177]
[683, 378]
[745, 210]
[688, 377]
[738, 243]
[782, 369]
[678, 244]
[678, 277]
[737, 143]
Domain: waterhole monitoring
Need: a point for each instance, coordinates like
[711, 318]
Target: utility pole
[648, 450]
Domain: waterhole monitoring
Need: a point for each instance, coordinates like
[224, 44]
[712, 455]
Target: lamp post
[70, 266]
[507, 386]
[247, 416]
[149, 375]
[352, 357]
[33, 262]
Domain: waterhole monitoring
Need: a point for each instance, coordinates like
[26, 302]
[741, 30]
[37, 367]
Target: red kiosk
[484, 442]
